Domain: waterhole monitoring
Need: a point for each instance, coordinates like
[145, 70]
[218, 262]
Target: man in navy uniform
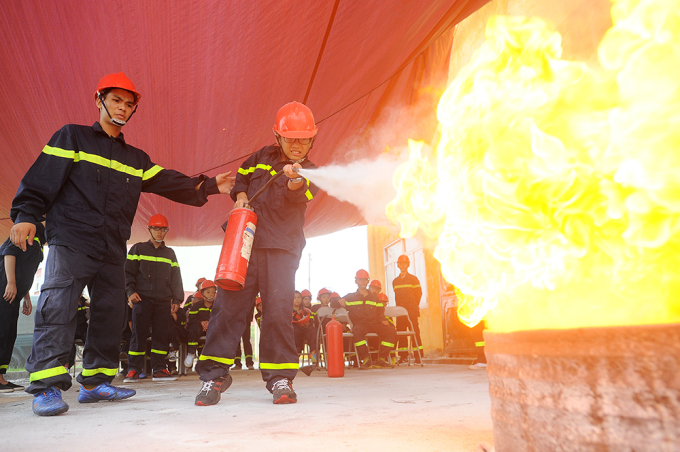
[88, 181]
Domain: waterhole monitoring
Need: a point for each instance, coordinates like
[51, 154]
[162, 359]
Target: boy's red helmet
[383, 297]
[302, 316]
[322, 291]
[207, 284]
[362, 274]
[159, 221]
[306, 293]
[117, 80]
[199, 295]
[200, 281]
[376, 283]
[295, 120]
[403, 258]
[335, 295]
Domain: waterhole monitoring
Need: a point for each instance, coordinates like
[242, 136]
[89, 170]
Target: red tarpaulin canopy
[212, 75]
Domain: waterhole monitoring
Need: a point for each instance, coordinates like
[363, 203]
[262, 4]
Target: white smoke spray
[365, 183]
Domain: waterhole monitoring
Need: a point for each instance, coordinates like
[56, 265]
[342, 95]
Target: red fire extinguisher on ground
[335, 361]
[238, 244]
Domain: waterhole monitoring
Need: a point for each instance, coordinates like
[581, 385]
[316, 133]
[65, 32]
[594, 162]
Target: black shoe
[382, 364]
[15, 386]
[211, 391]
[6, 388]
[283, 392]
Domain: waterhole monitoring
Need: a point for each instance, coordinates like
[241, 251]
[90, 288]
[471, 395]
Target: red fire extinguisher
[238, 244]
[335, 361]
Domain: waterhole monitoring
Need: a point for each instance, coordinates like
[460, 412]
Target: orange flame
[553, 193]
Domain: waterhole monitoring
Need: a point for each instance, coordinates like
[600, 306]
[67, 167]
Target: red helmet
[198, 294]
[207, 284]
[158, 220]
[258, 300]
[383, 297]
[335, 295]
[117, 80]
[306, 293]
[295, 120]
[302, 316]
[376, 283]
[200, 281]
[362, 274]
[403, 258]
[322, 291]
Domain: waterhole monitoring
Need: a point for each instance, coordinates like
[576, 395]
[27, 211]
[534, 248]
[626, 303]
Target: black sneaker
[4, 388]
[283, 392]
[15, 386]
[211, 391]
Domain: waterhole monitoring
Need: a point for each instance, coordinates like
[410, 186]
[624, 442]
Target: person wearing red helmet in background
[306, 298]
[275, 257]
[198, 319]
[324, 298]
[153, 284]
[407, 293]
[304, 326]
[368, 316]
[87, 181]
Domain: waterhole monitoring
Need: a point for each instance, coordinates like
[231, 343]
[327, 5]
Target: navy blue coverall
[24, 271]
[275, 257]
[407, 293]
[367, 314]
[153, 274]
[88, 185]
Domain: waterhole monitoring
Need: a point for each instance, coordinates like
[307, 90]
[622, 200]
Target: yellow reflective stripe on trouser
[479, 344]
[217, 359]
[160, 352]
[142, 257]
[4, 366]
[192, 343]
[274, 366]
[356, 344]
[47, 373]
[135, 353]
[97, 160]
[387, 344]
[101, 370]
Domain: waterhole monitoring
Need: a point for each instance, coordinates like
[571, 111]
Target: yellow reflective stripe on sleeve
[142, 257]
[479, 344]
[192, 343]
[420, 347]
[193, 312]
[135, 353]
[148, 174]
[387, 344]
[274, 366]
[47, 373]
[160, 352]
[357, 344]
[96, 159]
[258, 166]
[204, 309]
[101, 370]
[354, 303]
[308, 194]
[217, 359]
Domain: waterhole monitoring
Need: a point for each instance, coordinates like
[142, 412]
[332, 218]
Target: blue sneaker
[104, 392]
[49, 403]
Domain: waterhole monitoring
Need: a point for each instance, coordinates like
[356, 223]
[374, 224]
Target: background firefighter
[407, 293]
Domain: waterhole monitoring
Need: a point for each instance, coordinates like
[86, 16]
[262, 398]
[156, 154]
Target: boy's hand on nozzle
[224, 182]
[20, 232]
[289, 172]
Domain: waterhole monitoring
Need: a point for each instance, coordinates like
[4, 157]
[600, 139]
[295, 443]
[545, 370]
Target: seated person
[368, 316]
[198, 318]
[303, 326]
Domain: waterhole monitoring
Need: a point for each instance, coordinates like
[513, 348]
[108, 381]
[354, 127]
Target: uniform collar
[151, 244]
[98, 128]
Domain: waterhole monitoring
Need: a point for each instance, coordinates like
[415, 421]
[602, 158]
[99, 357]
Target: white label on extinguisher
[248, 236]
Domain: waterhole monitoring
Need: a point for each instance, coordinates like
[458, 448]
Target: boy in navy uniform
[88, 181]
[17, 270]
[275, 257]
[198, 319]
[367, 314]
[407, 293]
[153, 284]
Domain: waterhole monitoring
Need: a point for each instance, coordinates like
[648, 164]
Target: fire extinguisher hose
[264, 187]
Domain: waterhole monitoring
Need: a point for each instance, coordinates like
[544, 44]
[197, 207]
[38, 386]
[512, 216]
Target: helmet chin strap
[116, 121]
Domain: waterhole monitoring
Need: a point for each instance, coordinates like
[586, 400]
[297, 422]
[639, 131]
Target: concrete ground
[433, 408]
